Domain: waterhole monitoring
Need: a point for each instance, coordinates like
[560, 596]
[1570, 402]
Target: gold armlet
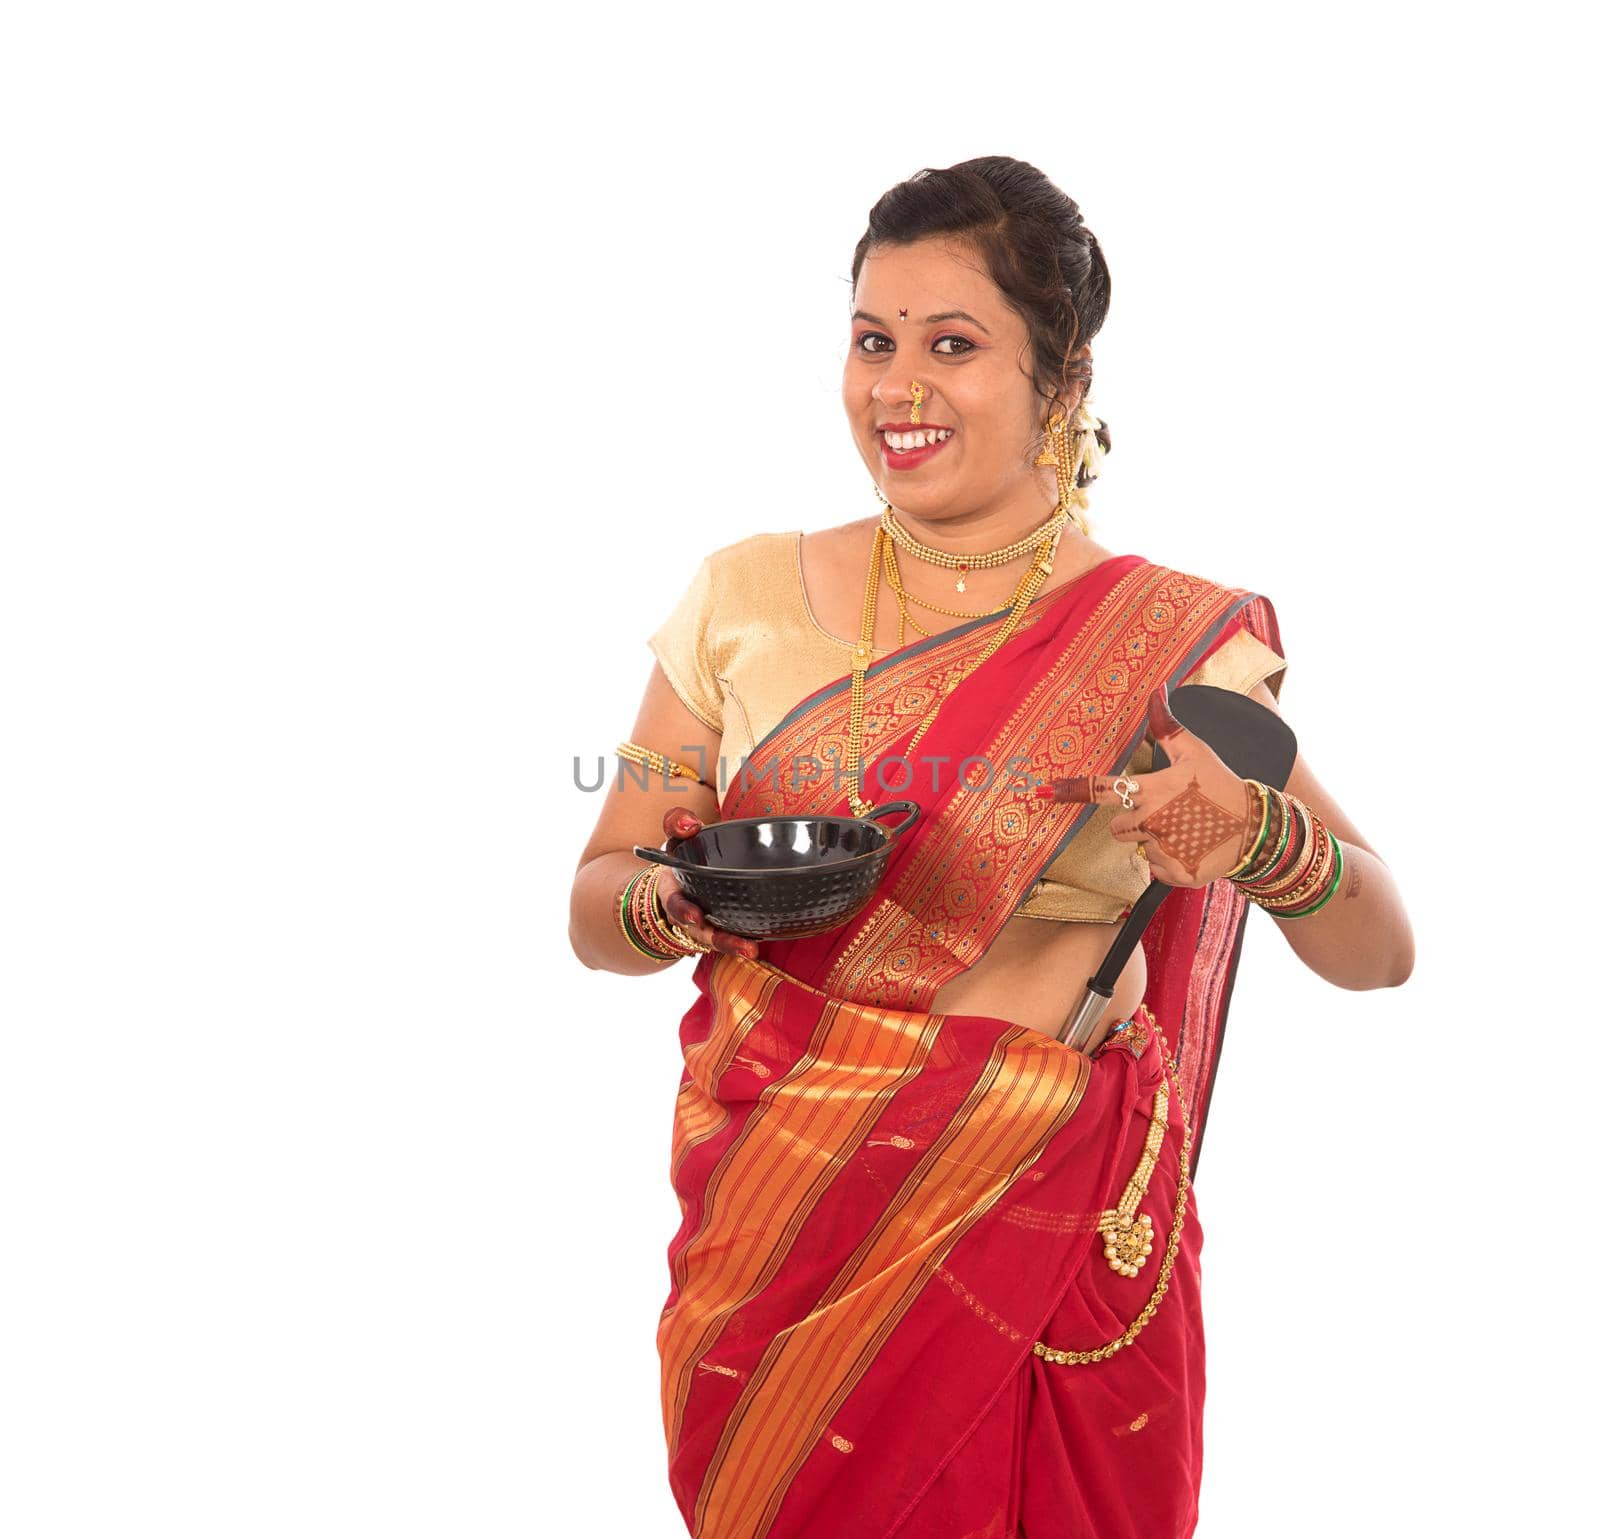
[637, 753]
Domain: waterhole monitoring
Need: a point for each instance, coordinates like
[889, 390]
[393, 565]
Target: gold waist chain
[1128, 1242]
[1128, 1239]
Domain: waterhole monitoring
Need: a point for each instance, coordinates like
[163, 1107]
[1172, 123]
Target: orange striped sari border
[699, 1114]
[800, 1134]
[1029, 1090]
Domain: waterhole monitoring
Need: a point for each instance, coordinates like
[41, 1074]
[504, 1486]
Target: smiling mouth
[915, 438]
[908, 450]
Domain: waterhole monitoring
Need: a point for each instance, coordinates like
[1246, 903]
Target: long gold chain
[891, 570]
[1145, 1315]
[861, 658]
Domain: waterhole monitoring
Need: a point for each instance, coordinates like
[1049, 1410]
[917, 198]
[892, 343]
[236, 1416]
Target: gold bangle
[1260, 832]
[648, 919]
[1317, 900]
[1306, 820]
[654, 923]
[624, 907]
[1316, 875]
[1281, 825]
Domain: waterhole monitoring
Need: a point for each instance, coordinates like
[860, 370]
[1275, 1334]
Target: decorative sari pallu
[884, 1207]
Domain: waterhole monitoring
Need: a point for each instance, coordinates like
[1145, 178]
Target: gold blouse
[742, 648]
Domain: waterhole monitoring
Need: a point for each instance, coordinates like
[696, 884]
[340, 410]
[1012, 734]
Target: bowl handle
[895, 830]
[663, 858]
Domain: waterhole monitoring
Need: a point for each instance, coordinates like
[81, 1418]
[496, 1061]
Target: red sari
[885, 1208]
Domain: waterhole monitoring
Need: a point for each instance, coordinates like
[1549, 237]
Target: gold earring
[1063, 453]
[917, 393]
[1047, 455]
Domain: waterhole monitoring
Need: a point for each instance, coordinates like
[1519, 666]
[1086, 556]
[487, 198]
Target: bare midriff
[1035, 971]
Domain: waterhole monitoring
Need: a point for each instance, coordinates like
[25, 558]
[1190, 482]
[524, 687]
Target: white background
[373, 379]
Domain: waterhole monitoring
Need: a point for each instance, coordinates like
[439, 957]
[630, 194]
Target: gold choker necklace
[978, 562]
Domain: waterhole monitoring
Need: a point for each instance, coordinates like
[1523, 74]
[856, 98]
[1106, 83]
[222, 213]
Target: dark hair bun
[1038, 251]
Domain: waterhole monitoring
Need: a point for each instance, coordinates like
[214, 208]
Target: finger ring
[1142, 855]
[1125, 786]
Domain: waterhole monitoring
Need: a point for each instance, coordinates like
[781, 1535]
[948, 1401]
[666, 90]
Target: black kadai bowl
[780, 878]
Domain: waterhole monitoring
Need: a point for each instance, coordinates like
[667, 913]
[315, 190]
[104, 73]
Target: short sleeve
[684, 646]
[1239, 664]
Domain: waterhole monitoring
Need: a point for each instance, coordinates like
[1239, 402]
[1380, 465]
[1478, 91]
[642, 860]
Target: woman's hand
[680, 824]
[1193, 817]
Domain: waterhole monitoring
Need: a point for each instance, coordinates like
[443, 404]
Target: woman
[938, 1270]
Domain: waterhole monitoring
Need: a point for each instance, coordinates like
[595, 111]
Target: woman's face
[969, 350]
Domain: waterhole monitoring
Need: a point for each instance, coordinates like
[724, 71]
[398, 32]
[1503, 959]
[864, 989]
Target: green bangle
[1285, 871]
[1261, 833]
[1286, 825]
[629, 934]
[1333, 887]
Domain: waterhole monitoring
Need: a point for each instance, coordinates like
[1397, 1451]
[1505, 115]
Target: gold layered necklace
[1043, 542]
[981, 562]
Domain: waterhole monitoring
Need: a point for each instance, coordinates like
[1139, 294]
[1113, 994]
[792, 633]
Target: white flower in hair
[1086, 423]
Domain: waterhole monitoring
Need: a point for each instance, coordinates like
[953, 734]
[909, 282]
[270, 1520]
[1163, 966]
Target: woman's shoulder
[1246, 654]
[751, 553]
[766, 567]
[1239, 663]
[1204, 580]
[1245, 651]
[851, 533]
[725, 572]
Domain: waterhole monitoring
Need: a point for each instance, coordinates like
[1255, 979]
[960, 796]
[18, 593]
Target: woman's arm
[632, 814]
[1361, 937]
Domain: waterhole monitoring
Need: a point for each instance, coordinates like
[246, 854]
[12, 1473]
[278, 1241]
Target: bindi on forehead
[927, 320]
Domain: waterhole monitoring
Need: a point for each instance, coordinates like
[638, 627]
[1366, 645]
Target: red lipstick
[911, 458]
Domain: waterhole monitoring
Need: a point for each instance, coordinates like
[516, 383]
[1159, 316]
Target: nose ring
[917, 393]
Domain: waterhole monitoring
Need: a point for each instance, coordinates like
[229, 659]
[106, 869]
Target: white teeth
[903, 443]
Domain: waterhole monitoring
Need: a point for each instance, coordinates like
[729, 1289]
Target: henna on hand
[1191, 826]
[1075, 788]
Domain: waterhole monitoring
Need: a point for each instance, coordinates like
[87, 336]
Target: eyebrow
[928, 320]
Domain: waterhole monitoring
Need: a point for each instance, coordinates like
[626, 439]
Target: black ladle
[1256, 744]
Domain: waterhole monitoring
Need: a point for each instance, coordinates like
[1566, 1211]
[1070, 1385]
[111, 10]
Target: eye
[965, 345]
[867, 336]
